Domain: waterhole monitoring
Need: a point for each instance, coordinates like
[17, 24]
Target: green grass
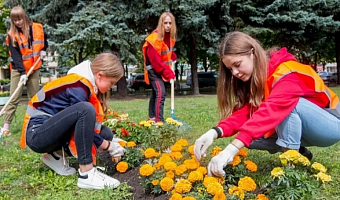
[23, 176]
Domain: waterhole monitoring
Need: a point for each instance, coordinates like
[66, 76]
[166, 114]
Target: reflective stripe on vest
[307, 73]
[30, 55]
[162, 49]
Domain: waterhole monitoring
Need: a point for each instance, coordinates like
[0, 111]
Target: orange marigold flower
[216, 150]
[209, 179]
[191, 149]
[214, 188]
[203, 170]
[170, 166]
[191, 164]
[155, 182]
[176, 196]
[176, 155]
[261, 197]
[246, 183]
[236, 161]
[170, 174]
[183, 186]
[122, 143]
[189, 198]
[131, 144]
[166, 184]
[250, 165]
[180, 169]
[182, 142]
[122, 166]
[164, 159]
[146, 170]
[150, 153]
[236, 191]
[176, 148]
[243, 153]
[195, 176]
[219, 196]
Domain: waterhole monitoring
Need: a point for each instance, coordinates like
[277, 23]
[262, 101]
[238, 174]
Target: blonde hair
[111, 66]
[18, 13]
[160, 26]
[233, 93]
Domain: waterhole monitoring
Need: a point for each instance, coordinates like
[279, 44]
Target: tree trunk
[122, 87]
[193, 62]
[205, 64]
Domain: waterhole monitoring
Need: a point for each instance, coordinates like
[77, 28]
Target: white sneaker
[56, 162]
[95, 179]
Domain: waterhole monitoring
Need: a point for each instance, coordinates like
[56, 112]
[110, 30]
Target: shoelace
[100, 174]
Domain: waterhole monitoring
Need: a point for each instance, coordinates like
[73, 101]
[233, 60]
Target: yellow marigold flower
[236, 161]
[176, 155]
[277, 172]
[250, 165]
[191, 149]
[176, 196]
[236, 191]
[155, 182]
[122, 166]
[170, 174]
[189, 198]
[323, 177]
[304, 161]
[203, 170]
[284, 162]
[166, 184]
[290, 155]
[216, 150]
[146, 170]
[183, 186]
[142, 122]
[131, 144]
[221, 180]
[170, 121]
[246, 183]
[243, 153]
[159, 124]
[150, 153]
[122, 143]
[157, 166]
[214, 188]
[170, 166]
[164, 159]
[209, 179]
[319, 167]
[191, 164]
[180, 169]
[261, 197]
[176, 148]
[219, 196]
[179, 124]
[147, 124]
[182, 142]
[195, 176]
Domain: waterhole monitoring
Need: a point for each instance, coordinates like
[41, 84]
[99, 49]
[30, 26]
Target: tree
[4, 13]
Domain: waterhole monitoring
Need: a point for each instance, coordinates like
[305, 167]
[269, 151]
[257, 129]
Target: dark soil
[130, 177]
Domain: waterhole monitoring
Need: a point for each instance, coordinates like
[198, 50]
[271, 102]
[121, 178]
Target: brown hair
[160, 26]
[18, 13]
[111, 66]
[233, 93]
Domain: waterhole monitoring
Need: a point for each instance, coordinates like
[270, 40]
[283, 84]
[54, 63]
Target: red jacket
[280, 103]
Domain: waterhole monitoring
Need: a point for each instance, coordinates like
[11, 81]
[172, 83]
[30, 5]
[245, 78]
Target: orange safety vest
[306, 72]
[29, 55]
[162, 49]
[65, 81]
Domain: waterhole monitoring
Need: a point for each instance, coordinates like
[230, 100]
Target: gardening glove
[168, 74]
[23, 79]
[202, 143]
[218, 162]
[42, 54]
[116, 139]
[116, 151]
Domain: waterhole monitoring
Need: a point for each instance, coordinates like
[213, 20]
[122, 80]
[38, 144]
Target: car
[137, 83]
[205, 79]
[24, 90]
[329, 77]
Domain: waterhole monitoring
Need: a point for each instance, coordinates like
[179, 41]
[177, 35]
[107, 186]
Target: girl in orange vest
[67, 114]
[158, 57]
[271, 101]
[26, 41]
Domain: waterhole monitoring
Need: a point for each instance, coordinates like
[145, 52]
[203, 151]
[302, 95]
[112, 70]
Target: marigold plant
[246, 183]
[166, 184]
[146, 170]
[183, 186]
[122, 166]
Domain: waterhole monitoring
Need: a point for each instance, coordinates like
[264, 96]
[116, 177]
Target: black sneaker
[305, 152]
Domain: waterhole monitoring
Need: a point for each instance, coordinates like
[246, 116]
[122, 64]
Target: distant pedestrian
[158, 57]
[271, 101]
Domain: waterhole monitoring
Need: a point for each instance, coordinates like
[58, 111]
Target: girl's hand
[203, 143]
[217, 163]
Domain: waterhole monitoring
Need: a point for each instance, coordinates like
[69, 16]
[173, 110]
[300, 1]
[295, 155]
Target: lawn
[24, 176]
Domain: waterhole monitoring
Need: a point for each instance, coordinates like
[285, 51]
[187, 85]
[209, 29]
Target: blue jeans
[306, 125]
[56, 132]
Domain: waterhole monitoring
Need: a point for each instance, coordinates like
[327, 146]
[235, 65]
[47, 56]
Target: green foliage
[4, 81]
[133, 156]
[4, 12]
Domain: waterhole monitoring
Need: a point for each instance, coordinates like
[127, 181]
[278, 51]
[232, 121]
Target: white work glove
[23, 78]
[217, 163]
[115, 139]
[116, 151]
[42, 54]
[203, 143]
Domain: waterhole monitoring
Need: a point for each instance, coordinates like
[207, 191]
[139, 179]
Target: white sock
[85, 173]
